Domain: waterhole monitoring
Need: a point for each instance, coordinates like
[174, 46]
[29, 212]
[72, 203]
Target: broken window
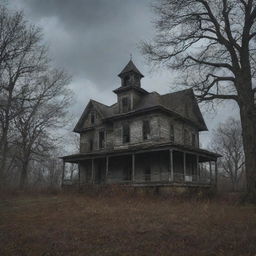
[126, 133]
[102, 139]
[171, 133]
[125, 104]
[146, 130]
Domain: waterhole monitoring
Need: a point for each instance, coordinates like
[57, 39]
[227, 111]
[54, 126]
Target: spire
[130, 67]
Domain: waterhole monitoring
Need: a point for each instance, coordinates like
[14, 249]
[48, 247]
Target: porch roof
[140, 148]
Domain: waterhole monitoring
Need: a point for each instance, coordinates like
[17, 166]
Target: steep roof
[182, 104]
[130, 67]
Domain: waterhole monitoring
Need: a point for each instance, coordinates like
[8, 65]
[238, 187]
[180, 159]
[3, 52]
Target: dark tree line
[212, 44]
[34, 100]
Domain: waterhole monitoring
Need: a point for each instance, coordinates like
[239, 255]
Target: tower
[130, 91]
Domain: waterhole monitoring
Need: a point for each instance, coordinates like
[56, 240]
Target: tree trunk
[24, 175]
[248, 121]
[4, 146]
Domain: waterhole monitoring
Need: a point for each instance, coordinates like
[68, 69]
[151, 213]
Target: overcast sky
[93, 40]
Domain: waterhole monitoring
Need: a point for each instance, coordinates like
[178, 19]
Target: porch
[158, 167]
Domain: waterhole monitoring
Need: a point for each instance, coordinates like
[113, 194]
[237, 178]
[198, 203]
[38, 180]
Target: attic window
[146, 130]
[125, 104]
[92, 117]
[171, 133]
[126, 133]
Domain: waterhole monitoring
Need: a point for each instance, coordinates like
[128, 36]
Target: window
[125, 104]
[186, 137]
[102, 139]
[92, 117]
[171, 133]
[146, 130]
[193, 140]
[91, 145]
[147, 173]
[126, 81]
[126, 133]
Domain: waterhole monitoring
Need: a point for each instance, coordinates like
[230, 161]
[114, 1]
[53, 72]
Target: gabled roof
[130, 67]
[183, 104]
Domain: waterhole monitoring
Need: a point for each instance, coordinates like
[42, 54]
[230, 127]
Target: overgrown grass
[76, 224]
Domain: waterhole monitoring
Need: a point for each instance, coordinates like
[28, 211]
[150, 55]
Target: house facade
[144, 139]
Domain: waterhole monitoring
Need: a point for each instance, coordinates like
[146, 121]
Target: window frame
[126, 139]
[146, 134]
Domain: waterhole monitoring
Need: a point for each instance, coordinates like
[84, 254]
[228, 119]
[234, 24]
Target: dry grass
[85, 225]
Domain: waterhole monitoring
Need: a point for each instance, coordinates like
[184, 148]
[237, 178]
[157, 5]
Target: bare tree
[21, 57]
[227, 141]
[45, 108]
[34, 96]
[212, 43]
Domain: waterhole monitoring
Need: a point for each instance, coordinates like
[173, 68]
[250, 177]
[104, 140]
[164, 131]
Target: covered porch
[162, 166]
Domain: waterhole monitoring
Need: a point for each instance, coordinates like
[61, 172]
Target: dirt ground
[76, 224]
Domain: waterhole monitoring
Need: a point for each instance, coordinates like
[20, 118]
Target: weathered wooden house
[145, 139]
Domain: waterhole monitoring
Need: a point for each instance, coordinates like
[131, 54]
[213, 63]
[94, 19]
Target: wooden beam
[216, 173]
[210, 165]
[197, 168]
[171, 165]
[133, 167]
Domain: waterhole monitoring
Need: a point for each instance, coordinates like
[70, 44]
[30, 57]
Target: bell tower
[130, 91]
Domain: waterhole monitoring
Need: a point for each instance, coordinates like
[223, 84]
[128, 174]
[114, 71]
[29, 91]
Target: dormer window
[146, 130]
[92, 117]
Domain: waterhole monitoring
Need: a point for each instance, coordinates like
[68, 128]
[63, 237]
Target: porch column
[107, 161]
[78, 165]
[210, 165]
[92, 178]
[197, 168]
[216, 173]
[171, 165]
[184, 165]
[133, 167]
[63, 173]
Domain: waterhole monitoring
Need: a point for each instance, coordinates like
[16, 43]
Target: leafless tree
[212, 44]
[34, 96]
[227, 141]
[21, 57]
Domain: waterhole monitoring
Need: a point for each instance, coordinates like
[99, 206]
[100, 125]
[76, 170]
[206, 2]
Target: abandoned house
[144, 139]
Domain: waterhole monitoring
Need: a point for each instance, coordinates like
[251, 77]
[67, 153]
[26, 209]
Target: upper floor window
[91, 145]
[146, 130]
[125, 104]
[92, 117]
[102, 139]
[171, 133]
[186, 137]
[193, 140]
[126, 133]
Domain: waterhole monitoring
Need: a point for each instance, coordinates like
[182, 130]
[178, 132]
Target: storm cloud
[93, 40]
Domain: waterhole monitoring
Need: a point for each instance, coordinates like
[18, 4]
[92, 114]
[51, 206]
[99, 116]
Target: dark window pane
[146, 130]
[101, 139]
[126, 133]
